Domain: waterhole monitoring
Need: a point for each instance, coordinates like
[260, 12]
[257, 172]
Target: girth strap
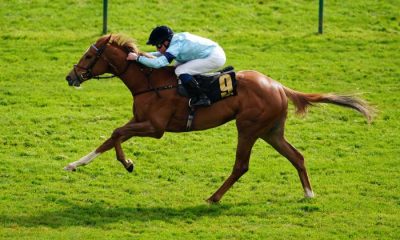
[192, 111]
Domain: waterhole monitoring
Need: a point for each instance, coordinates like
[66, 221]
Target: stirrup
[199, 102]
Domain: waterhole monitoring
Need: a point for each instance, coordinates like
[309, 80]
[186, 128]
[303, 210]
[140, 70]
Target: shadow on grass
[99, 214]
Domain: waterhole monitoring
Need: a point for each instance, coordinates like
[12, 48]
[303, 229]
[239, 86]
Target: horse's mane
[123, 40]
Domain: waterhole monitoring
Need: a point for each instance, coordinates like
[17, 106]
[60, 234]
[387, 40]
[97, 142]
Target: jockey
[193, 55]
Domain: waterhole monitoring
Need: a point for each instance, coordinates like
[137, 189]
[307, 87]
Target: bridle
[88, 73]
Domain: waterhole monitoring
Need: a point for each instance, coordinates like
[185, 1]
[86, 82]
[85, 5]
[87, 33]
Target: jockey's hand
[132, 56]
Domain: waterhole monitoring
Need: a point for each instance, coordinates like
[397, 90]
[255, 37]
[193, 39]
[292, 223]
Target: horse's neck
[139, 78]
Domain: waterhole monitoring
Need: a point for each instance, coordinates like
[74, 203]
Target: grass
[354, 166]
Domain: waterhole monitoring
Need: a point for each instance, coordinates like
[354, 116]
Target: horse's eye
[88, 57]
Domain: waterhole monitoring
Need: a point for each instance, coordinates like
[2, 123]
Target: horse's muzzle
[72, 81]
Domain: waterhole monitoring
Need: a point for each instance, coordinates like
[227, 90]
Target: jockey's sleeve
[156, 54]
[169, 56]
[158, 62]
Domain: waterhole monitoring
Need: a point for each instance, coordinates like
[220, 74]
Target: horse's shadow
[100, 214]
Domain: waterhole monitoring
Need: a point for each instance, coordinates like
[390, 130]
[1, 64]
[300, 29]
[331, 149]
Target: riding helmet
[159, 35]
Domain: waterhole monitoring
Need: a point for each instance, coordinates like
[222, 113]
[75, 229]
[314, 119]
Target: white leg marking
[83, 161]
[308, 193]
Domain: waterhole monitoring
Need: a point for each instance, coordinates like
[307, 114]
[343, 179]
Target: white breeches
[216, 60]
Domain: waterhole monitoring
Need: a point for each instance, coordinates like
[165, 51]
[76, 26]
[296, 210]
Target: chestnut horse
[260, 108]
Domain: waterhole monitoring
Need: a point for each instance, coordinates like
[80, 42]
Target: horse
[260, 108]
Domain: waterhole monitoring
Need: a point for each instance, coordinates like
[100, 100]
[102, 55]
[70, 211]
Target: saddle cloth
[218, 85]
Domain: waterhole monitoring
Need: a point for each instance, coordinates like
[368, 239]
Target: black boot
[201, 98]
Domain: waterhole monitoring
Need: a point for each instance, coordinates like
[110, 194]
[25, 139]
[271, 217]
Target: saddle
[217, 85]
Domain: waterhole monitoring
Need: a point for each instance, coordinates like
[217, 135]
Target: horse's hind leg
[277, 140]
[241, 166]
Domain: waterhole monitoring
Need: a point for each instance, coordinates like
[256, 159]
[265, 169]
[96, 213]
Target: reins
[148, 77]
[150, 87]
[99, 54]
[114, 75]
[155, 90]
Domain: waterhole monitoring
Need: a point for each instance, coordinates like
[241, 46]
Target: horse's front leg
[83, 161]
[119, 135]
[144, 129]
[107, 145]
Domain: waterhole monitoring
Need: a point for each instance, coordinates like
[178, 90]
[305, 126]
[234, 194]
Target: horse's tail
[303, 100]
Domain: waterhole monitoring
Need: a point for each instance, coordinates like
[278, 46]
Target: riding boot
[182, 89]
[201, 98]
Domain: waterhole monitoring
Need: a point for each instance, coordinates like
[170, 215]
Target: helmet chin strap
[166, 45]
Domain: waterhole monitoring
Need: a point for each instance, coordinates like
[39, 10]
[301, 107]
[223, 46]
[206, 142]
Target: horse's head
[91, 64]
[107, 55]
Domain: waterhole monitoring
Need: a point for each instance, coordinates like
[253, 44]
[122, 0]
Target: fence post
[321, 16]
[105, 6]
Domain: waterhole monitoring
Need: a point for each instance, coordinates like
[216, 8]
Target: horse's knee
[116, 133]
[240, 170]
[244, 170]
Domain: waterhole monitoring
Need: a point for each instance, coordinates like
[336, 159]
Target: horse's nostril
[69, 80]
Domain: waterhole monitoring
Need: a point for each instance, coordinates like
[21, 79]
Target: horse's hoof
[130, 167]
[212, 202]
[70, 168]
[309, 194]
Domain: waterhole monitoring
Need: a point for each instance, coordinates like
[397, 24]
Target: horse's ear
[108, 39]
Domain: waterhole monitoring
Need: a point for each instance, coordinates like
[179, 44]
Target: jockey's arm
[158, 62]
[149, 55]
